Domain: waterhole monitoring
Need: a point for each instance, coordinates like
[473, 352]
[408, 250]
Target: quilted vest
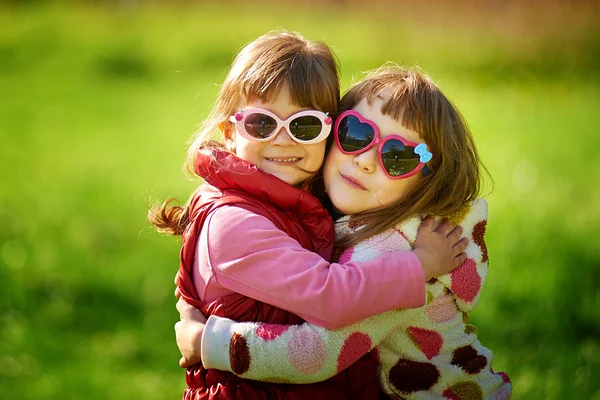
[232, 181]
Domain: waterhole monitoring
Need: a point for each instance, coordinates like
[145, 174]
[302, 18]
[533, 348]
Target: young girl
[396, 120]
[255, 240]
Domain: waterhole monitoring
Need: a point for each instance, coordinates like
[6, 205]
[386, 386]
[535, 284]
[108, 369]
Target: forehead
[385, 123]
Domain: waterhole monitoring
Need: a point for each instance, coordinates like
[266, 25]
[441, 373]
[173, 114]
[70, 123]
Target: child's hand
[188, 332]
[440, 248]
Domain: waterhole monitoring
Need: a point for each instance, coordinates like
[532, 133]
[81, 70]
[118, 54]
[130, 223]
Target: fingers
[427, 223]
[183, 363]
[460, 246]
[184, 308]
[177, 293]
[444, 227]
[455, 233]
[176, 276]
[460, 259]
[187, 311]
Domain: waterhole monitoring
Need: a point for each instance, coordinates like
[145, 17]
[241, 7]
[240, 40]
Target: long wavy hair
[311, 71]
[456, 169]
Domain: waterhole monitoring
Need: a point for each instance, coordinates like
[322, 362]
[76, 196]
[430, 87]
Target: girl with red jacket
[256, 242]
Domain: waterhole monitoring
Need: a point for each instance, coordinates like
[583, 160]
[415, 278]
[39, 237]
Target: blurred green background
[98, 100]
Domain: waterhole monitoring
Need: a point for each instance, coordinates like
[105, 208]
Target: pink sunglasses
[399, 158]
[260, 125]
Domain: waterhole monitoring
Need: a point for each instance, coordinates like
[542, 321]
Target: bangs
[407, 98]
[306, 76]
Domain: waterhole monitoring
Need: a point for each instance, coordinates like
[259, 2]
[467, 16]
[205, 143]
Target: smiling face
[290, 161]
[357, 183]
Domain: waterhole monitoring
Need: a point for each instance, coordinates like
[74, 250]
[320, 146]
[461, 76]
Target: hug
[336, 246]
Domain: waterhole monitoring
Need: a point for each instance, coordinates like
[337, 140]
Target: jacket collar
[225, 171]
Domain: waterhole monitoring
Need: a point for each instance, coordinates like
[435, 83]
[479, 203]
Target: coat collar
[225, 171]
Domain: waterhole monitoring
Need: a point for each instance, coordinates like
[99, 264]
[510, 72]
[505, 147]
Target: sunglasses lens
[353, 134]
[399, 159]
[260, 126]
[306, 128]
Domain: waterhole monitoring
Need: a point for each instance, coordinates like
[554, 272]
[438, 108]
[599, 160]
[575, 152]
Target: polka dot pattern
[239, 354]
[478, 234]
[306, 362]
[354, 347]
[466, 357]
[464, 391]
[271, 332]
[411, 376]
[429, 342]
[441, 309]
[466, 282]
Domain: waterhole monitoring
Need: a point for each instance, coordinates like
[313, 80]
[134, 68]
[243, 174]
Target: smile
[283, 160]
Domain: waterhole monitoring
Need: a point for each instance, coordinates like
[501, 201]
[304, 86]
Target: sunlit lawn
[97, 105]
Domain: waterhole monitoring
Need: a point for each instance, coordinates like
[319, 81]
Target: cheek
[247, 150]
[392, 191]
[332, 159]
[315, 154]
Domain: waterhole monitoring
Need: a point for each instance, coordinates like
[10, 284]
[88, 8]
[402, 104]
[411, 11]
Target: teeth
[283, 159]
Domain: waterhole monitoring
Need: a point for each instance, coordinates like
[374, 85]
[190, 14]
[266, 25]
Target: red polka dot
[466, 282]
[239, 355]
[270, 331]
[469, 360]
[478, 238]
[429, 342]
[354, 347]
[408, 376]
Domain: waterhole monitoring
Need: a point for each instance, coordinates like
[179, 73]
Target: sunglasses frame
[419, 148]
[240, 117]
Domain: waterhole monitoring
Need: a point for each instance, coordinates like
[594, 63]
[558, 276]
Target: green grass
[96, 108]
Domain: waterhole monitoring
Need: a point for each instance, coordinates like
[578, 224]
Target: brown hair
[258, 71]
[455, 177]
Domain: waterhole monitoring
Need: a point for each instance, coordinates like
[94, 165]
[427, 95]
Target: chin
[290, 179]
[345, 209]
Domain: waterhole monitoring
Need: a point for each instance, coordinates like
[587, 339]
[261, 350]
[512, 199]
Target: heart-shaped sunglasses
[260, 125]
[398, 157]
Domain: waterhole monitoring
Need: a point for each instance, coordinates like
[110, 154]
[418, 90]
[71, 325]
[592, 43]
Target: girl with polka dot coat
[425, 353]
[383, 189]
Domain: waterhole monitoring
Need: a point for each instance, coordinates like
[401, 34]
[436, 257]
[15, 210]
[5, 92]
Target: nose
[282, 139]
[367, 161]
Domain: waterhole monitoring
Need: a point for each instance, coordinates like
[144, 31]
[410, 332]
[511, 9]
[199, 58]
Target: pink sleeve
[249, 255]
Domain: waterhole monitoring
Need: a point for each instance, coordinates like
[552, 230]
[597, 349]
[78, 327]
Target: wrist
[215, 343]
[422, 256]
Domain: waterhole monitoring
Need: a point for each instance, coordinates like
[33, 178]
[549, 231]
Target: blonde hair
[258, 72]
[455, 178]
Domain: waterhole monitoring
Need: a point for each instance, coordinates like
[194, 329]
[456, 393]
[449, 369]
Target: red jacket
[302, 217]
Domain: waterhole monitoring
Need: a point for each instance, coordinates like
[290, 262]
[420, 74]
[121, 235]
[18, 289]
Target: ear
[228, 131]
